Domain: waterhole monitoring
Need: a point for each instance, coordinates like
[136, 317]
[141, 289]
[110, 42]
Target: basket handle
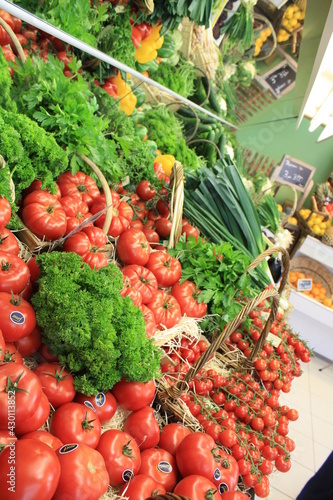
[176, 390]
[293, 210]
[107, 192]
[177, 202]
[285, 264]
[14, 39]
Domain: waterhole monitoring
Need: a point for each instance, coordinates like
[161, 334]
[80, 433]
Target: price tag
[273, 339]
[125, 180]
[304, 285]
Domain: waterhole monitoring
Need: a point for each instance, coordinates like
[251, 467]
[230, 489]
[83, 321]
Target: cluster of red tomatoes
[241, 411]
[140, 220]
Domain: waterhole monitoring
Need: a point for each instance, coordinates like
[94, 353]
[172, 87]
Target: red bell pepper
[136, 36]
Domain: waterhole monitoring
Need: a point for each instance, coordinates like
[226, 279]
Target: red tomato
[8, 242]
[141, 486]
[122, 214]
[28, 345]
[143, 280]
[29, 456]
[163, 227]
[5, 212]
[90, 244]
[234, 495]
[197, 488]
[143, 426]
[36, 420]
[14, 273]
[171, 436]
[166, 269]
[20, 394]
[83, 473]
[133, 247]
[17, 318]
[282, 463]
[43, 350]
[151, 235]
[12, 355]
[34, 271]
[213, 463]
[228, 438]
[187, 296]
[57, 383]
[133, 293]
[166, 310]
[6, 438]
[144, 190]
[76, 211]
[75, 423]
[162, 209]
[44, 216]
[80, 185]
[2, 346]
[121, 454]
[133, 396]
[36, 185]
[45, 437]
[149, 318]
[190, 231]
[103, 404]
[161, 466]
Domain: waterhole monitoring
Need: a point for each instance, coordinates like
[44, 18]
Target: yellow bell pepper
[127, 99]
[148, 49]
[167, 162]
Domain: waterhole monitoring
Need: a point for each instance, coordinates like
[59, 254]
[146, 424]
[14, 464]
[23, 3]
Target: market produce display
[111, 337]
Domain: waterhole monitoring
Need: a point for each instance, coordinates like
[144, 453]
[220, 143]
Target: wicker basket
[312, 267]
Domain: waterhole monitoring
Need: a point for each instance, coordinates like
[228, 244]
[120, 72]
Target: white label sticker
[273, 339]
[304, 284]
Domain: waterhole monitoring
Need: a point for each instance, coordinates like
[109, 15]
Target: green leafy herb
[178, 78]
[99, 335]
[220, 274]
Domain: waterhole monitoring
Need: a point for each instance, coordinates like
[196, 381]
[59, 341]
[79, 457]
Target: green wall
[272, 131]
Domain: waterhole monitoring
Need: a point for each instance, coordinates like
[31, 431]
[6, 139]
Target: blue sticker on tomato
[127, 475]
[67, 448]
[88, 404]
[17, 317]
[223, 488]
[100, 399]
[217, 474]
[164, 467]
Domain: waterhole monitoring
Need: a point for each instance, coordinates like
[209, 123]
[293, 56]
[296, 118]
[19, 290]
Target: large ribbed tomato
[44, 216]
[141, 486]
[5, 212]
[36, 420]
[83, 473]
[17, 318]
[134, 395]
[143, 280]
[121, 455]
[36, 185]
[90, 244]
[8, 242]
[20, 394]
[76, 211]
[122, 214]
[14, 273]
[149, 318]
[166, 310]
[133, 247]
[197, 488]
[57, 383]
[36, 471]
[79, 185]
[187, 297]
[161, 466]
[166, 269]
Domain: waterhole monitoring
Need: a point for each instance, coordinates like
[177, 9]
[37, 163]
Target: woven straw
[312, 267]
[285, 219]
[177, 202]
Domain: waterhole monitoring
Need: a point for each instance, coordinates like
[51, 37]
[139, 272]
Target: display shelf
[314, 322]
[310, 318]
[313, 248]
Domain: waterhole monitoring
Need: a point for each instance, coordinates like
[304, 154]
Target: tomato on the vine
[145, 191]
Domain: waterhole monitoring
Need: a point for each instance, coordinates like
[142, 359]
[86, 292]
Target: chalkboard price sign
[281, 79]
[295, 173]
